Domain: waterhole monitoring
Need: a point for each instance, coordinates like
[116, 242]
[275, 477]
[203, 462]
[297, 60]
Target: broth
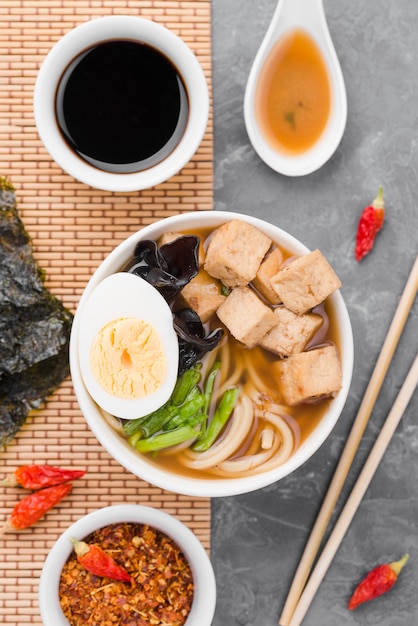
[293, 96]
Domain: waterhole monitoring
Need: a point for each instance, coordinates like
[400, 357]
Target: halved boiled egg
[128, 348]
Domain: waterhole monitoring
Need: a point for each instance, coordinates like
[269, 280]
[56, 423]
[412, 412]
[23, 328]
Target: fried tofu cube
[203, 295]
[268, 268]
[310, 375]
[292, 333]
[247, 318]
[235, 252]
[305, 282]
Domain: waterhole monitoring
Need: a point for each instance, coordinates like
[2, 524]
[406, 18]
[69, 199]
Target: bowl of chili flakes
[171, 576]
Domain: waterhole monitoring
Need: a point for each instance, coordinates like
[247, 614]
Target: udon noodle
[261, 434]
[258, 436]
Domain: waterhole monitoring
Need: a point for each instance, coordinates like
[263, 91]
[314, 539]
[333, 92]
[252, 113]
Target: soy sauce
[122, 106]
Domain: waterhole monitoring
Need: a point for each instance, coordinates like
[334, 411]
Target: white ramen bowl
[138, 464]
[204, 598]
[136, 29]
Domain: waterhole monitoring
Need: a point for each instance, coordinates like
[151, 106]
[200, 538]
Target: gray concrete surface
[257, 539]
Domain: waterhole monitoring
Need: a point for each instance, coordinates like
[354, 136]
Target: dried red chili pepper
[33, 507]
[40, 476]
[98, 562]
[378, 581]
[371, 221]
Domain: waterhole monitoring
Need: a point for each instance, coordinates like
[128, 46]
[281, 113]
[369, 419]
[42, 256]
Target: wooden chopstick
[356, 494]
[352, 444]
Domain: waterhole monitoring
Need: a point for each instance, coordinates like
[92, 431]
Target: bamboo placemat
[73, 227]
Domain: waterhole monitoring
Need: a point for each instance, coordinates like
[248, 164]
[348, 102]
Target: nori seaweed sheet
[34, 325]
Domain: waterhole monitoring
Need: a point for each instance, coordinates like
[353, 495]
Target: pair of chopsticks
[302, 590]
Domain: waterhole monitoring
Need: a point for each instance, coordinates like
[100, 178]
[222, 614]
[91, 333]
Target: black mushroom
[193, 340]
[169, 269]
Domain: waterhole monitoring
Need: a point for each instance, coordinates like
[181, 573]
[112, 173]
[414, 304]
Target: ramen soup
[269, 380]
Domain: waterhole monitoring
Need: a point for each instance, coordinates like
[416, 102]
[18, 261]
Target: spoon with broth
[295, 105]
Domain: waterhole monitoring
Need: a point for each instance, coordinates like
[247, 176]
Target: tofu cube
[268, 268]
[203, 295]
[246, 317]
[305, 282]
[235, 252]
[310, 375]
[292, 333]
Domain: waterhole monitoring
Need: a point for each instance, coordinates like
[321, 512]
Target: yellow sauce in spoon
[293, 94]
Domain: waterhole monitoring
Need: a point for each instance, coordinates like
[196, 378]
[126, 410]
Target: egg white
[126, 295]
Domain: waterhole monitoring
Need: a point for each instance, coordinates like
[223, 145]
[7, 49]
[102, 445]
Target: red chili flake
[31, 508]
[161, 589]
[371, 221]
[40, 476]
[377, 582]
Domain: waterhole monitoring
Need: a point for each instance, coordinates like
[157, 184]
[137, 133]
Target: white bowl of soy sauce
[121, 103]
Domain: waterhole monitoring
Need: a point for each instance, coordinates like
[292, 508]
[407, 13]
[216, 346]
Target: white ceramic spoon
[309, 16]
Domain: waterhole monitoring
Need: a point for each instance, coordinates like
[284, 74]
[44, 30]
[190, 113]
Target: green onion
[186, 410]
[184, 384]
[220, 418]
[166, 440]
[157, 420]
[209, 384]
[151, 423]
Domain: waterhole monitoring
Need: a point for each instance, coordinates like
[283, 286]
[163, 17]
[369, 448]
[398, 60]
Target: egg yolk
[127, 358]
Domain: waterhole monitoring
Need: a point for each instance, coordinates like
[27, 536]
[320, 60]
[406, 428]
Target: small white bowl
[204, 600]
[120, 27]
[139, 464]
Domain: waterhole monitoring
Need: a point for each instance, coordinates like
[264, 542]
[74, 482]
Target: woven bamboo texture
[73, 227]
